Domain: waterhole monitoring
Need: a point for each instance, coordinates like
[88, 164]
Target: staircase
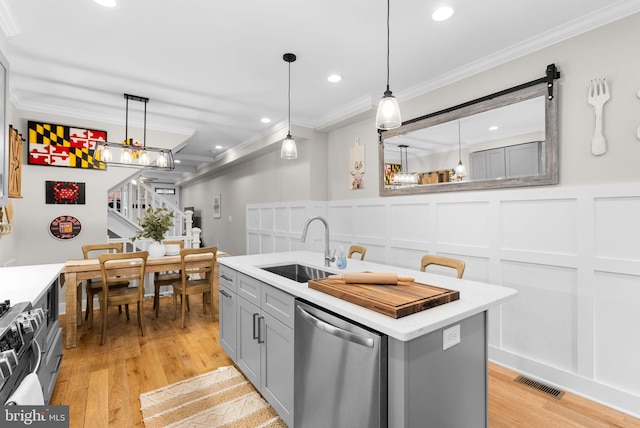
[127, 202]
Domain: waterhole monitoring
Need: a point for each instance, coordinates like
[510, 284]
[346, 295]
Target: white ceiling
[213, 69]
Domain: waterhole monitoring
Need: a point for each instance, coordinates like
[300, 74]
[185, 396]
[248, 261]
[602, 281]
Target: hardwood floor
[101, 384]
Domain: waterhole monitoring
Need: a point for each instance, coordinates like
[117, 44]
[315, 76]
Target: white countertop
[27, 283]
[475, 297]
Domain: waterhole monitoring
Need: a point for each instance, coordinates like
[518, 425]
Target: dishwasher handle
[336, 331]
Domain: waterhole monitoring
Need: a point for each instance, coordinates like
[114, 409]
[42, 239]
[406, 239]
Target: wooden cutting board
[395, 301]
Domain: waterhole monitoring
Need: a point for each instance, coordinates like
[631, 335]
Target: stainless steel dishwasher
[340, 371]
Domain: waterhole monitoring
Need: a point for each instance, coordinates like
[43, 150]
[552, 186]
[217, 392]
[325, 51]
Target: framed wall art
[65, 227]
[66, 146]
[217, 206]
[64, 192]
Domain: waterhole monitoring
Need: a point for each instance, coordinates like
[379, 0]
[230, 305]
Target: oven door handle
[36, 348]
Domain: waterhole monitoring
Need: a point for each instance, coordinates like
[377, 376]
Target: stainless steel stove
[20, 326]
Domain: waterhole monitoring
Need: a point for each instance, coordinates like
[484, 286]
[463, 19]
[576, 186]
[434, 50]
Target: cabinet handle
[226, 278]
[260, 338]
[256, 331]
[225, 294]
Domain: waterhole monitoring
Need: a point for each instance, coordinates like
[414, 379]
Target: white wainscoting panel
[281, 219]
[617, 325]
[370, 222]
[411, 223]
[612, 241]
[463, 223]
[253, 218]
[544, 225]
[266, 219]
[546, 303]
[253, 243]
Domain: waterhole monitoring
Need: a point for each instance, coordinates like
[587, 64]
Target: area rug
[222, 398]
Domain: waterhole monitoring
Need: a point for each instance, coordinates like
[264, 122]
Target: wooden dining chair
[115, 268]
[93, 286]
[430, 259]
[167, 278]
[197, 268]
[358, 249]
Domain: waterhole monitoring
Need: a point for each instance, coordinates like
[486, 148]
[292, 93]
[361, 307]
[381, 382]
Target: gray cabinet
[523, 160]
[487, 164]
[262, 345]
[520, 160]
[228, 311]
[248, 351]
[276, 366]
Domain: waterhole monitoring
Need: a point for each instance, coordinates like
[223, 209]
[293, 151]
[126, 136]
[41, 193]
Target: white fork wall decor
[598, 95]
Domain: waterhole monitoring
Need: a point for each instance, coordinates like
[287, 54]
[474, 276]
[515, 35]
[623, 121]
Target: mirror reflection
[503, 142]
[508, 140]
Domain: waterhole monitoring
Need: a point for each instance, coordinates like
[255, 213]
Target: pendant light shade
[289, 149]
[388, 115]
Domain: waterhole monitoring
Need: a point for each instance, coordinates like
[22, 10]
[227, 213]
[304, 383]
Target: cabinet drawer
[228, 278]
[278, 304]
[249, 288]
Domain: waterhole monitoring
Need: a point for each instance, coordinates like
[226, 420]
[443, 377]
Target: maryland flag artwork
[60, 145]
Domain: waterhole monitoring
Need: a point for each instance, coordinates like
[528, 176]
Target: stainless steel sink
[299, 273]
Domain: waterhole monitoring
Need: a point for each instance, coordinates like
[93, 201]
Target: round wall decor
[65, 227]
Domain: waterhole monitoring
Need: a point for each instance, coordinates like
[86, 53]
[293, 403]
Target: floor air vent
[556, 393]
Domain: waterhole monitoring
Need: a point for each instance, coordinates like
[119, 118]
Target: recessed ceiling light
[107, 3]
[265, 120]
[493, 128]
[176, 161]
[218, 147]
[442, 14]
[334, 78]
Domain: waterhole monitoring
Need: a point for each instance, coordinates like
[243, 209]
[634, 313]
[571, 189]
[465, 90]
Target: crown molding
[591, 21]
[8, 24]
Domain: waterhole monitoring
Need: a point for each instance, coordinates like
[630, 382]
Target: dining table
[76, 271]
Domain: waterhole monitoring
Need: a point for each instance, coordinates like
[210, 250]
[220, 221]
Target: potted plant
[155, 223]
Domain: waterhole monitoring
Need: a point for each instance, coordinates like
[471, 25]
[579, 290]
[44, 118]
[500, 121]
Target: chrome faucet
[328, 258]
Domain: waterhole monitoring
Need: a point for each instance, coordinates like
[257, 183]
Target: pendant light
[461, 171]
[388, 115]
[289, 150]
[133, 154]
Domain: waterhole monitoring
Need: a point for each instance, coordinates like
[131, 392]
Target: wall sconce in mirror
[510, 140]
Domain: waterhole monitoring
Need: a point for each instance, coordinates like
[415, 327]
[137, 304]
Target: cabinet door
[277, 366]
[478, 166]
[495, 163]
[487, 164]
[228, 323]
[248, 348]
[523, 160]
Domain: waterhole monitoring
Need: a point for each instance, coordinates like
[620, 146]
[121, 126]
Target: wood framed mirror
[506, 139]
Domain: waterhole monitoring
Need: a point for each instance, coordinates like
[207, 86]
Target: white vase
[156, 249]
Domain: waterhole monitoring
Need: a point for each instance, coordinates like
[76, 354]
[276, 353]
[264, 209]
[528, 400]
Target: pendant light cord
[459, 144]
[289, 98]
[126, 122]
[388, 37]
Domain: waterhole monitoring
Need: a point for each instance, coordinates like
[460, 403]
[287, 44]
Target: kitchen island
[425, 384]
